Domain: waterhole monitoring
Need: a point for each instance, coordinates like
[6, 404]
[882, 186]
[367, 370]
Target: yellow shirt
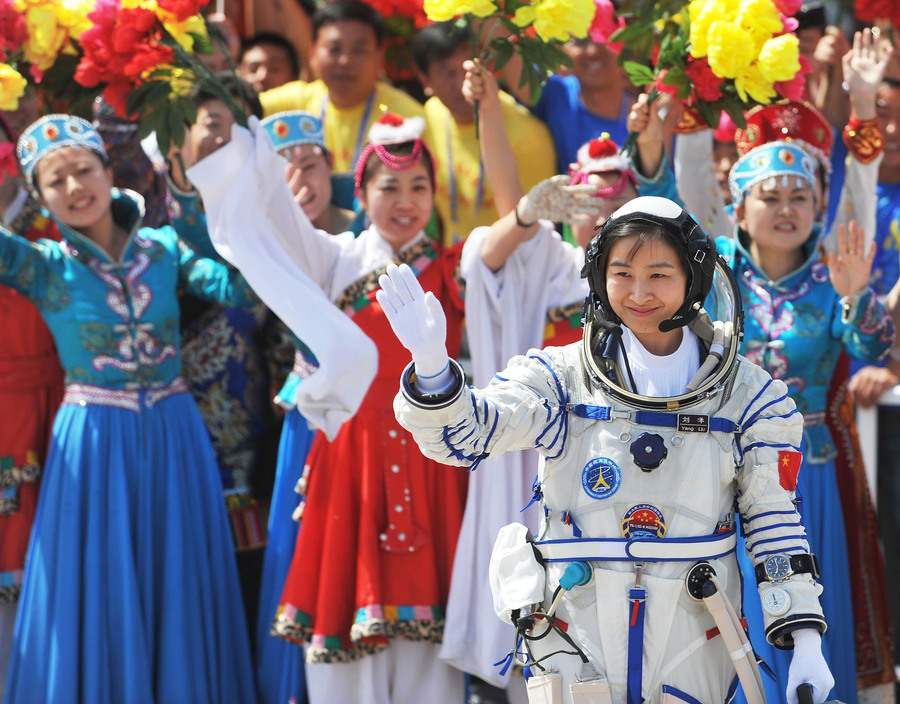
[345, 135]
[532, 145]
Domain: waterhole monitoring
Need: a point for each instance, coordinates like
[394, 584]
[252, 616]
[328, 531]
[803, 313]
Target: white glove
[554, 199]
[808, 665]
[419, 323]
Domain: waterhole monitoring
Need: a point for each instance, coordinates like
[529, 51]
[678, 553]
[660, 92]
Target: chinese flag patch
[789, 468]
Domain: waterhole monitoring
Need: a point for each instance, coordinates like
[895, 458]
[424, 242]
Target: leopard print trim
[429, 631]
[9, 594]
[285, 628]
[332, 655]
[369, 282]
[555, 315]
[22, 474]
[9, 505]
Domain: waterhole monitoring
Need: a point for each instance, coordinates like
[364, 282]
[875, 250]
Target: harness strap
[684, 422]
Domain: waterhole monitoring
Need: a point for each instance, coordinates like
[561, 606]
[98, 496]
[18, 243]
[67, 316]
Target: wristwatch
[776, 601]
[777, 568]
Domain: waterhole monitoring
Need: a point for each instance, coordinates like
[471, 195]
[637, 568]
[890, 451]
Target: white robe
[505, 316]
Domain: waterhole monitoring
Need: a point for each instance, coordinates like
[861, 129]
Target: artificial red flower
[8, 163]
[788, 7]
[707, 85]
[665, 87]
[870, 11]
[795, 89]
[12, 28]
[182, 9]
[604, 24]
[119, 49]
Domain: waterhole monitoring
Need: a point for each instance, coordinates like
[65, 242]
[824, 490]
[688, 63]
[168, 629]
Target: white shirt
[660, 377]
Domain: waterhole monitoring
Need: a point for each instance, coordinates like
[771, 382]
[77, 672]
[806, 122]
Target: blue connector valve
[577, 574]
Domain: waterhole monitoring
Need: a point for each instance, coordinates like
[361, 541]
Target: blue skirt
[822, 515]
[130, 591]
[279, 666]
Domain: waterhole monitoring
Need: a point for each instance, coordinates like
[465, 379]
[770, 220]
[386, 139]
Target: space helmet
[711, 308]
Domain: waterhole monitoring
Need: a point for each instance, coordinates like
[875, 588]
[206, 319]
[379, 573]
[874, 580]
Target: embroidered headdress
[294, 128]
[599, 156]
[391, 129]
[788, 121]
[54, 132]
[772, 160]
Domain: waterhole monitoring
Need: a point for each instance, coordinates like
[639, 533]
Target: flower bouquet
[140, 55]
[713, 55]
[402, 19]
[534, 30]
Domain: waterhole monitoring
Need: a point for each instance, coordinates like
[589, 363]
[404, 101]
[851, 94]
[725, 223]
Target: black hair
[811, 15]
[276, 40]
[344, 10]
[241, 91]
[403, 149]
[644, 232]
[438, 41]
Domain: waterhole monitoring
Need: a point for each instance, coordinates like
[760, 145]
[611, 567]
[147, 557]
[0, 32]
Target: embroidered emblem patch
[601, 478]
[643, 521]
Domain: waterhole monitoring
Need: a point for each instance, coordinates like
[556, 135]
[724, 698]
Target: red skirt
[378, 534]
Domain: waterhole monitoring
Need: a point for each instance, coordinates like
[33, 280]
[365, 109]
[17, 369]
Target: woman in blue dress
[130, 591]
[801, 310]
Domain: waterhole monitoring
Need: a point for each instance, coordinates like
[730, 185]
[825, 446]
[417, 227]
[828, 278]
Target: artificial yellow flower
[443, 10]
[761, 16]
[181, 31]
[703, 13]
[563, 19]
[140, 4]
[728, 50]
[524, 16]
[181, 80]
[779, 59]
[73, 15]
[46, 37]
[751, 81]
[12, 87]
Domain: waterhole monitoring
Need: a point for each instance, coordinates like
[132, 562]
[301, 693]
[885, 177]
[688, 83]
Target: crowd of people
[428, 393]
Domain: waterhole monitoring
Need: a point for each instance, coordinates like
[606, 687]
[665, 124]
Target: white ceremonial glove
[808, 665]
[554, 199]
[419, 323]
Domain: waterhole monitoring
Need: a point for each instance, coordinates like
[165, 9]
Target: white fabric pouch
[518, 579]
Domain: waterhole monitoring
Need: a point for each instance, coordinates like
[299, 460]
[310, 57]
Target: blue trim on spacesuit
[684, 696]
[778, 539]
[562, 416]
[774, 525]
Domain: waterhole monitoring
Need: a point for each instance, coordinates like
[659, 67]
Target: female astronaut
[654, 436]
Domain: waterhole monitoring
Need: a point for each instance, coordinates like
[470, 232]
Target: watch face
[776, 601]
[778, 567]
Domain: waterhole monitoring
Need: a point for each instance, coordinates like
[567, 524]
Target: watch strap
[800, 563]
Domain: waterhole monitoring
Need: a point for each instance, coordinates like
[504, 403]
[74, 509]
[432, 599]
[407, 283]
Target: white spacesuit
[635, 491]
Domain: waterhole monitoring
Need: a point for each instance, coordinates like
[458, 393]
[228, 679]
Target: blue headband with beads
[768, 161]
[293, 128]
[54, 132]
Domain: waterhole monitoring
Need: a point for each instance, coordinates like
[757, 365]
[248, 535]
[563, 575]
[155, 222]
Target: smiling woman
[368, 630]
[130, 512]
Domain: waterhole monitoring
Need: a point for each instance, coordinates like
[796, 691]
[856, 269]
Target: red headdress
[788, 121]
